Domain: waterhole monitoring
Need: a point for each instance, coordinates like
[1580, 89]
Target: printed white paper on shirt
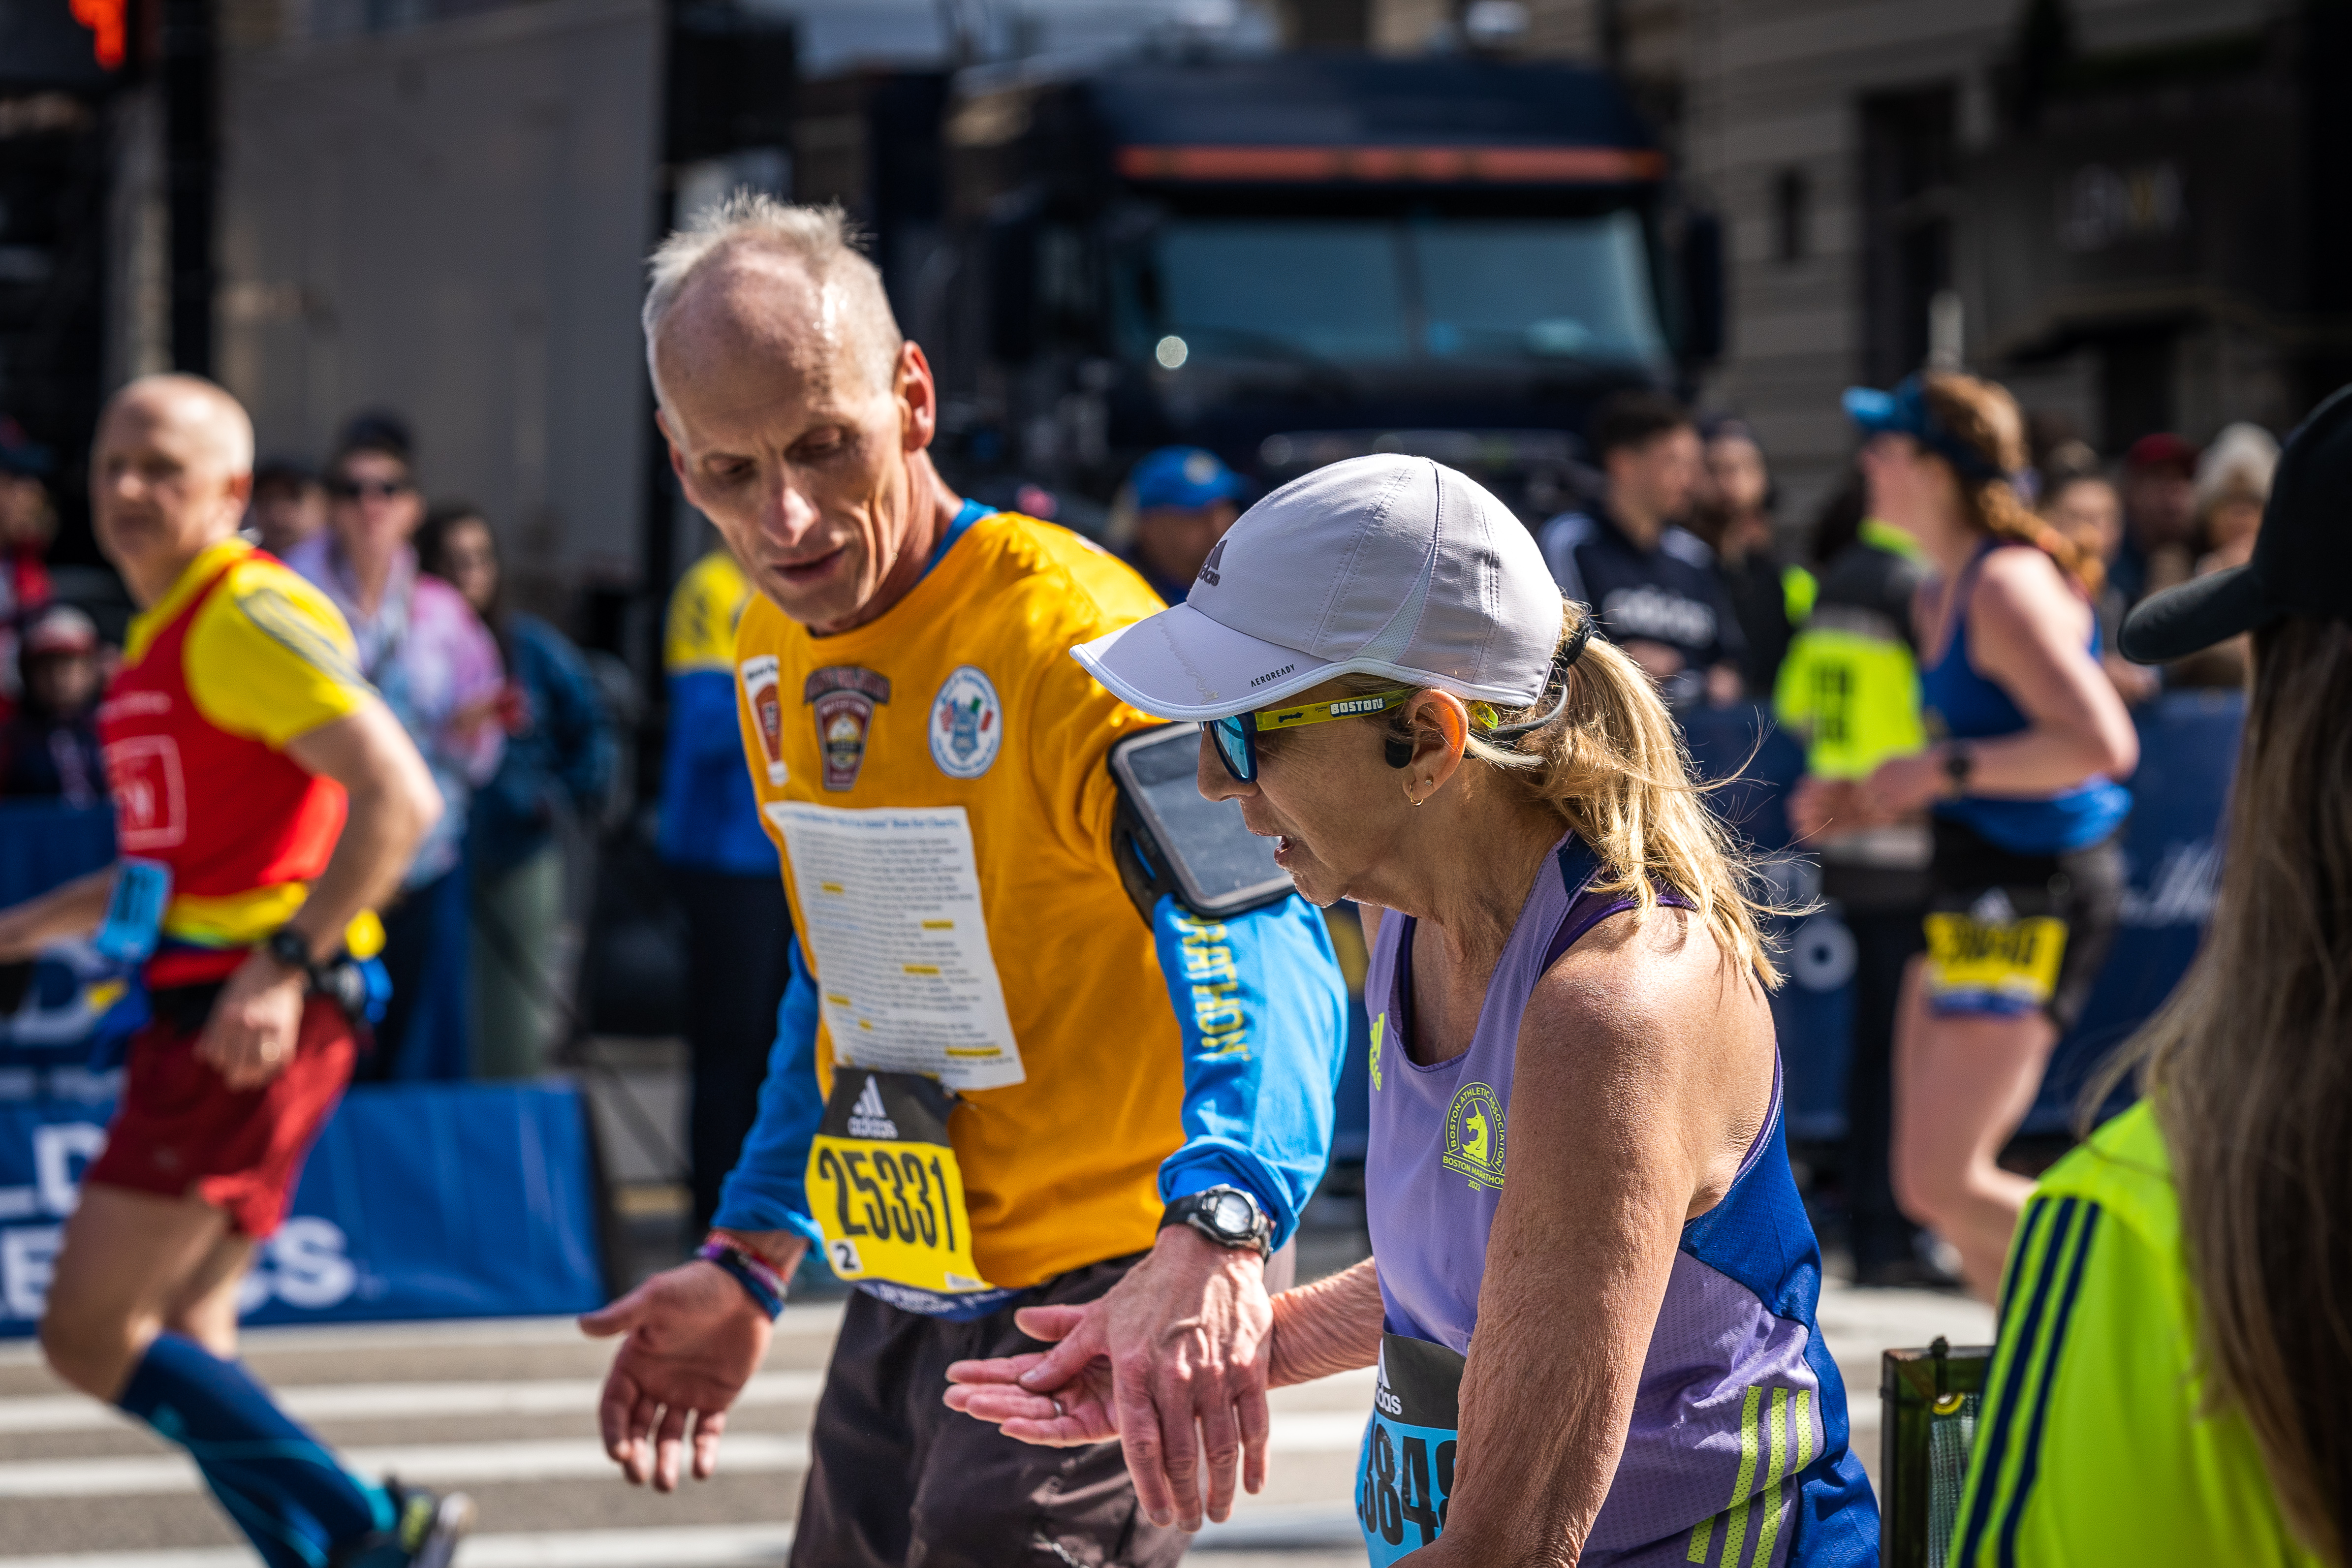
[890, 905]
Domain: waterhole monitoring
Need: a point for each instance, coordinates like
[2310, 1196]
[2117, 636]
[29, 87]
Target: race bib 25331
[885, 1187]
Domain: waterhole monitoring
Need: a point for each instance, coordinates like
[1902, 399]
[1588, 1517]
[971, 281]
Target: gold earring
[1408, 794]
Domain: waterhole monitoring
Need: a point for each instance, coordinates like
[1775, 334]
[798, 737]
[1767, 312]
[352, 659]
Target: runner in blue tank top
[1593, 1290]
[2026, 878]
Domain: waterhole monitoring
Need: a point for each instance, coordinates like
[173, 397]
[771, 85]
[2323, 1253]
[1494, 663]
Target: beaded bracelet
[759, 1278]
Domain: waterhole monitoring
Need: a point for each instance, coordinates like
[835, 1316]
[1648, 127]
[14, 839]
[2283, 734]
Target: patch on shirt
[967, 724]
[1474, 1136]
[759, 677]
[843, 697]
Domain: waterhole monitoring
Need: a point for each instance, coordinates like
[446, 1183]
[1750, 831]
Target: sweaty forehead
[754, 329]
[192, 423]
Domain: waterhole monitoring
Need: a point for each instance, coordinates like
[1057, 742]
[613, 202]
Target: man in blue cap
[1185, 499]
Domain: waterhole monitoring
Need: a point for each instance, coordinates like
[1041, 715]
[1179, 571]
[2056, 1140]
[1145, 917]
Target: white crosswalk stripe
[692, 1546]
[362, 1401]
[529, 1459]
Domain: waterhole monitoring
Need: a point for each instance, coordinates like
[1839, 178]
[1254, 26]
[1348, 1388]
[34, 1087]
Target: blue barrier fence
[419, 1201]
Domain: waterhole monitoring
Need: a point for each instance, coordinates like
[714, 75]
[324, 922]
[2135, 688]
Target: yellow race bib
[2010, 962]
[885, 1186]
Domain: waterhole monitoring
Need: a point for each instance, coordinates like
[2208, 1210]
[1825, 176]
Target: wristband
[759, 1278]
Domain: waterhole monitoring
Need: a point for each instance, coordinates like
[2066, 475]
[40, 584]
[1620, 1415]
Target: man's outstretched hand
[1172, 1362]
[694, 1340]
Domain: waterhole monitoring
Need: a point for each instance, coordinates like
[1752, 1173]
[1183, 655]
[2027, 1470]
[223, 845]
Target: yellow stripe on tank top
[241, 920]
[1768, 1531]
[1735, 1534]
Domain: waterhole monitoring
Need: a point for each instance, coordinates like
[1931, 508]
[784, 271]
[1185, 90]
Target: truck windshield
[1365, 291]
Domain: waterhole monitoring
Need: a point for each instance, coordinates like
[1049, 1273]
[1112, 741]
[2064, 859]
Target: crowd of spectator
[1681, 560]
[503, 707]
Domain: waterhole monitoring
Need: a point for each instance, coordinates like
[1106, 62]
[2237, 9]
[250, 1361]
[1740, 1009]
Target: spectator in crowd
[724, 871]
[423, 647]
[2234, 484]
[1734, 516]
[2233, 480]
[2159, 516]
[29, 522]
[48, 749]
[1851, 689]
[2081, 502]
[2026, 875]
[557, 766]
[289, 505]
[1651, 586]
[2174, 1356]
[1185, 499]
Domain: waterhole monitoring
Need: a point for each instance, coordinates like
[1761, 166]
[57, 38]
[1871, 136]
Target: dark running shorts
[2010, 933]
[896, 1477]
[179, 1131]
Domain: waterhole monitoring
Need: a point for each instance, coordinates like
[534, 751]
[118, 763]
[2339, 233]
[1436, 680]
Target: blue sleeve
[703, 732]
[1264, 1012]
[768, 1188]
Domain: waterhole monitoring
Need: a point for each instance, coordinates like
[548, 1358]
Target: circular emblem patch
[1474, 1136]
[967, 724]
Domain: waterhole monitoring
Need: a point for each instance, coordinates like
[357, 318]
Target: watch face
[1231, 1213]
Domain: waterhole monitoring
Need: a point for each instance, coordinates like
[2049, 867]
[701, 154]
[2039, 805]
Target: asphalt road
[506, 1410]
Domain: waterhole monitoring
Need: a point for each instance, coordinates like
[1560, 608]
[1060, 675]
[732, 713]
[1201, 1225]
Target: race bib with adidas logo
[1404, 1472]
[885, 1190]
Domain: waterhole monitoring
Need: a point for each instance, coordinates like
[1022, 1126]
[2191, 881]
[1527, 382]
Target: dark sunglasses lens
[352, 489]
[1234, 747]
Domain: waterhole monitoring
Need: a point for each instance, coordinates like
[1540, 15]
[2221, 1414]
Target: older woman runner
[1593, 1290]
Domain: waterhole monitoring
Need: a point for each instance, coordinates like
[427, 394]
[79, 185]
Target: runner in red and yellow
[266, 803]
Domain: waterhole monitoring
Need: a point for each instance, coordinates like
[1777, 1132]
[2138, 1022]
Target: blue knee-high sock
[285, 1488]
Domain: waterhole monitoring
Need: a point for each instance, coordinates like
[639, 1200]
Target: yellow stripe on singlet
[1735, 1534]
[1769, 1529]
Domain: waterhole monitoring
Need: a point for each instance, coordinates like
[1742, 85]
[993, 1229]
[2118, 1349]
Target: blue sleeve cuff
[768, 1189]
[1207, 1163]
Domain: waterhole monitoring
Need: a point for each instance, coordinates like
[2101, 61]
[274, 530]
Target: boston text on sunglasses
[1591, 1300]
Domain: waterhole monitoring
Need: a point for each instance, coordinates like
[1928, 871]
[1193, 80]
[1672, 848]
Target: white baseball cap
[1382, 565]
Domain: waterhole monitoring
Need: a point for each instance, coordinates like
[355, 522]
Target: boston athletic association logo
[967, 724]
[1474, 1136]
[843, 697]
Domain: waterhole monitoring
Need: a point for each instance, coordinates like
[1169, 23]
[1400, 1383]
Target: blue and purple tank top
[1736, 1453]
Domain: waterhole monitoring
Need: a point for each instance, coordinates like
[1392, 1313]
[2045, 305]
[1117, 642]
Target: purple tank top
[1737, 1450]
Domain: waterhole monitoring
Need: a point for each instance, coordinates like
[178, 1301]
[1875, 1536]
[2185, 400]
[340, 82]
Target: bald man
[1001, 1081]
[266, 803]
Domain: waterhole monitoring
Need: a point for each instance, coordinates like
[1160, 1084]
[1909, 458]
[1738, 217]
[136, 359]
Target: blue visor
[1905, 412]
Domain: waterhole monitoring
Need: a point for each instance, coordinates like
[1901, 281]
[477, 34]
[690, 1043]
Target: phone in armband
[1168, 838]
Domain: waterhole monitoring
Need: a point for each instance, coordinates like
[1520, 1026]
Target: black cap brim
[2195, 615]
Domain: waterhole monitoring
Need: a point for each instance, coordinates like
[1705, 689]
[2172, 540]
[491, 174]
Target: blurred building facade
[2127, 208]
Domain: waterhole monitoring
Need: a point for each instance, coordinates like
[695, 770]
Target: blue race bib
[1404, 1472]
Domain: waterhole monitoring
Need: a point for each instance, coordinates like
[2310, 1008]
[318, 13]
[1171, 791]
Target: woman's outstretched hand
[1080, 1411]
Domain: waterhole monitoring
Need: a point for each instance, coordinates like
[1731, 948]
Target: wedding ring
[1058, 1411]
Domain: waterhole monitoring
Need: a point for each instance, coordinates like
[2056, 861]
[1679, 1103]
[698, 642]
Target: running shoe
[426, 1528]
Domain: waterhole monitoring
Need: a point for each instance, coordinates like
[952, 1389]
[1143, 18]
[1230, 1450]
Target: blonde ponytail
[1616, 769]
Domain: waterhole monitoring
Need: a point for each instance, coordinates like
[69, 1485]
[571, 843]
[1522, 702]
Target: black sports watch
[288, 947]
[1959, 761]
[1226, 1216]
